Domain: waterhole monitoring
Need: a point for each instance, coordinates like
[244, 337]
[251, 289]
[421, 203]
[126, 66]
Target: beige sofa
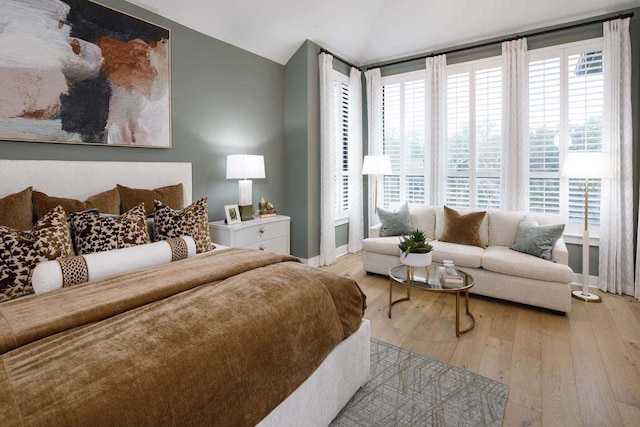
[498, 271]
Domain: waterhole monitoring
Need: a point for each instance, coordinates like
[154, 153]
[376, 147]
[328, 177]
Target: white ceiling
[366, 31]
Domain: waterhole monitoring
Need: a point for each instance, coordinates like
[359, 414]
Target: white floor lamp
[586, 165]
[376, 165]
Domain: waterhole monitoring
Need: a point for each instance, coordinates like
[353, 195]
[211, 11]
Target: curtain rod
[323, 50]
[508, 39]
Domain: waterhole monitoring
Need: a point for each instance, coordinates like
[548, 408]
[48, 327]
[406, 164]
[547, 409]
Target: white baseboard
[577, 280]
[315, 261]
[342, 250]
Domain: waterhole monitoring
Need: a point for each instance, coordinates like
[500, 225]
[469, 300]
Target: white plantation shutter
[341, 172]
[566, 99]
[457, 192]
[391, 130]
[404, 129]
[544, 130]
[488, 146]
[458, 139]
[474, 135]
[585, 105]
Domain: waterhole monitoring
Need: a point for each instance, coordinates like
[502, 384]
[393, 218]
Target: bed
[231, 337]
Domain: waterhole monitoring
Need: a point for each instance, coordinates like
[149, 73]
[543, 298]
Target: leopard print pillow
[191, 221]
[98, 233]
[21, 251]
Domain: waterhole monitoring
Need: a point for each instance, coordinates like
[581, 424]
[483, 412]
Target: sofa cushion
[463, 228]
[501, 259]
[461, 255]
[395, 223]
[382, 245]
[441, 224]
[537, 240]
[503, 225]
[424, 218]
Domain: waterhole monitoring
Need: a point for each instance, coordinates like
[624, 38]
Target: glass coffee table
[430, 279]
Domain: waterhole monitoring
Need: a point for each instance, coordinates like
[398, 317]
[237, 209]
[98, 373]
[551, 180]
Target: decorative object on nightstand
[376, 165]
[265, 234]
[245, 167]
[266, 209]
[586, 165]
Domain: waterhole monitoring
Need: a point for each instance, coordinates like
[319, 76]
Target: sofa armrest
[375, 230]
[559, 253]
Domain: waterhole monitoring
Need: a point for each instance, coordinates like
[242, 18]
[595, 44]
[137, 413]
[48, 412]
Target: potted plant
[416, 252]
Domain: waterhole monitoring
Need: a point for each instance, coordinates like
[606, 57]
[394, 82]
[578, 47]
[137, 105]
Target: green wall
[225, 100]
[552, 39]
[302, 142]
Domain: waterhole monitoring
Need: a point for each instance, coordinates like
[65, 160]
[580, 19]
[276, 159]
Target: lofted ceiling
[366, 31]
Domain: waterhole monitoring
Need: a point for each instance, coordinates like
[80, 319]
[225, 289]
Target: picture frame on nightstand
[232, 212]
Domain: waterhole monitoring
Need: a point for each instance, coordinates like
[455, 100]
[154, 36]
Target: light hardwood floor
[582, 369]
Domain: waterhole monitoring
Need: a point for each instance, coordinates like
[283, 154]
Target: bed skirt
[321, 397]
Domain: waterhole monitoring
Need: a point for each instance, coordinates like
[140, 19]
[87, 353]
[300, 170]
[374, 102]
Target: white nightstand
[268, 234]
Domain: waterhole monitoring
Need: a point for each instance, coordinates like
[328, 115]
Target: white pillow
[51, 275]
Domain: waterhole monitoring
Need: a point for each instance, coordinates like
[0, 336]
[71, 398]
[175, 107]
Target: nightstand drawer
[260, 233]
[279, 245]
[268, 234]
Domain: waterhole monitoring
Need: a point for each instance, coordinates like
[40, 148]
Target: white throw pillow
[51, 275]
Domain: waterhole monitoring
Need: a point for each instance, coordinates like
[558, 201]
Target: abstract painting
[74, 71]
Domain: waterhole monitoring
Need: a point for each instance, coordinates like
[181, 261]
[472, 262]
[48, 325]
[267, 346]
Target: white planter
[416, 260]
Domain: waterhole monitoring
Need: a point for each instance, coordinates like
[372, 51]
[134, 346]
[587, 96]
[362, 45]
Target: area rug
[407, 389]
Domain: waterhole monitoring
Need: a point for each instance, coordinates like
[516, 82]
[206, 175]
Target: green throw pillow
[537, 240]
[395, 223]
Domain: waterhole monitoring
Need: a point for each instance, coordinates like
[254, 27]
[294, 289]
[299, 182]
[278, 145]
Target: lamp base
[246, 212]
[586, 297]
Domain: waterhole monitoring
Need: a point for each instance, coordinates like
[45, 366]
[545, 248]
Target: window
[565, 114]
[474, 129]
[341, 172]
[403, 130]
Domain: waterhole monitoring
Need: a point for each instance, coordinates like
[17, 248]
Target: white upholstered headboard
[80, 179]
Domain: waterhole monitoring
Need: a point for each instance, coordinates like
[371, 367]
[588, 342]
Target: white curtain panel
[436, 94]
[356, 219]
[374, 128]
[616, 273]
[328, 108]
[514, 176]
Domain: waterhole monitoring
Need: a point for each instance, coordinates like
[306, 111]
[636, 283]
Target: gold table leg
[468, 313]
[391, 301]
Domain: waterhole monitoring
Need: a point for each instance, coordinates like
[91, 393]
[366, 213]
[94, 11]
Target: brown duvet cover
[218, 339]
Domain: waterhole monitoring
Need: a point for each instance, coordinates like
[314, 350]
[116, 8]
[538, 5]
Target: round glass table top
[431, 278]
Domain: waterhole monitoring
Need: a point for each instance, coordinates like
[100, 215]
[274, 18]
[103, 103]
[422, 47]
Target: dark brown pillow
[21, 251]
[16, 210]
[93, 232]
[462, 229]
[106, 202]
[171, 195]
[191, 221]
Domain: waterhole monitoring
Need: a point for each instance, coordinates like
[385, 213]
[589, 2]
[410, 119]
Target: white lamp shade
[376, 165]
[245, 166]
[587, 164]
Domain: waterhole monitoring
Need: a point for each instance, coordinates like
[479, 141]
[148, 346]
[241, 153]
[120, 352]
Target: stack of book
[454, 279]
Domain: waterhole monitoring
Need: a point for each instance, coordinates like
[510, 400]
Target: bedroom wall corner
[302, 129]
[225, 100]
[296, 150]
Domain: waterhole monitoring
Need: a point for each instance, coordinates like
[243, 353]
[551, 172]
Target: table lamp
[586, 165]
[245, 167]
